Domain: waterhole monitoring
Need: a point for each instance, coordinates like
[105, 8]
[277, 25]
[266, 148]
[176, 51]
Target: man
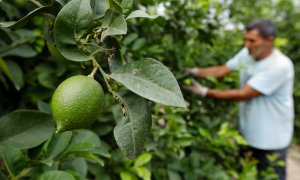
[266, 109]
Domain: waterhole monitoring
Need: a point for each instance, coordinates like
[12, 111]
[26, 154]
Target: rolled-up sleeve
[234, 63]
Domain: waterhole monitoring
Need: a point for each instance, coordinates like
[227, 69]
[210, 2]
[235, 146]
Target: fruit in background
[187, 81]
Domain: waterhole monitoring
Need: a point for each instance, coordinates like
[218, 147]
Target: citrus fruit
[77, 102]
[187, 81]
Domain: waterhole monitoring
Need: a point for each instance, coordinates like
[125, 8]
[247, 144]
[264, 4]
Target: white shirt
[266, 121]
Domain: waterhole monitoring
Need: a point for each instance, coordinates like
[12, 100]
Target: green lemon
[77, 102]
[187, 81]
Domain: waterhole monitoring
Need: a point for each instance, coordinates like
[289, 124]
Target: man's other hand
[196, 88]
[192, 71]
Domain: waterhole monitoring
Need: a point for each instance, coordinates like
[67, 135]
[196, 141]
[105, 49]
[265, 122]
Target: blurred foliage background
[201, 142]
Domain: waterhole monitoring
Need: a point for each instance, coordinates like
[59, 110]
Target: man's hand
[192, 71]
[196, 88]
[215, 71]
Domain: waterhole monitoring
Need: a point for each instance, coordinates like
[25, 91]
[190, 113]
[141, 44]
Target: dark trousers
[264, 162]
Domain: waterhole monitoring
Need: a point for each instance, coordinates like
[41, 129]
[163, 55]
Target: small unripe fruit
[187, 81]
[77, 102]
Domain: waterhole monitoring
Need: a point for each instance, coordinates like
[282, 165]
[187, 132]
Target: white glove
[197, 88]
[192, 71]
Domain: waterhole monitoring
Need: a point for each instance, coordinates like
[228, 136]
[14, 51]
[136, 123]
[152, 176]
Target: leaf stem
[105, 76]
[24, 172]
[11, 174]
[87, 38]
[91, 44]
[99, 50]
[93, 72]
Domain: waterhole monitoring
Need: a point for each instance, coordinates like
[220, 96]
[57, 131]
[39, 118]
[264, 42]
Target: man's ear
[271, 39]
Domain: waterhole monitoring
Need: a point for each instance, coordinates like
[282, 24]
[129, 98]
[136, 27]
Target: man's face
[258, 46]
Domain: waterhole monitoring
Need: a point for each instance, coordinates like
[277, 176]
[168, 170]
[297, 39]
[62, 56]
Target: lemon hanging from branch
[77, 102]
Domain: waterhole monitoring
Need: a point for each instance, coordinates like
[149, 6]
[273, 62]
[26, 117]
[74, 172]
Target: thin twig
[105, 76]
[93, 72]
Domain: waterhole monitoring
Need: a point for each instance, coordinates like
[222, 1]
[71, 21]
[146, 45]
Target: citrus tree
[86, 32]
[52, 50]
[205, 33]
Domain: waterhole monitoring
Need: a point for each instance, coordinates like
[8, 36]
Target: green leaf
[48, 31]
[143, 172]
[13, 158]
[10, 10]
[22, 22]
[205, 133]
[125, 175]
[86, 136]
[25, 129]
[16, 74]
[174, 175]
[22, 50]
[116, 60]
[150, 79]
[56, 175]
[130, 38]
[143, 159]
[139, 44]
[6, 37]
[4, 68]
[102, 151]
[59, 143]
[89, 156]
[99, 172]
[48, 79]
[113, 5]
[44, 107]
[62, 2]
[78, 165]
[3, 80]
[99, 7]
[17, 42]
[132, 132]
[126, 6]
[72, 24]
[139, 13]
[82, 143]
[114, 24]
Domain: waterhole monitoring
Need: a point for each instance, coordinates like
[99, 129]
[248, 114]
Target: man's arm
[215, 71]
[245, 93]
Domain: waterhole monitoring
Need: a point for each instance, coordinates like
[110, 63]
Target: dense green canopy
[141, 46]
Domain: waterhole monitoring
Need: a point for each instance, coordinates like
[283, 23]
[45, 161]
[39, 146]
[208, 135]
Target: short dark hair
[265, 27]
